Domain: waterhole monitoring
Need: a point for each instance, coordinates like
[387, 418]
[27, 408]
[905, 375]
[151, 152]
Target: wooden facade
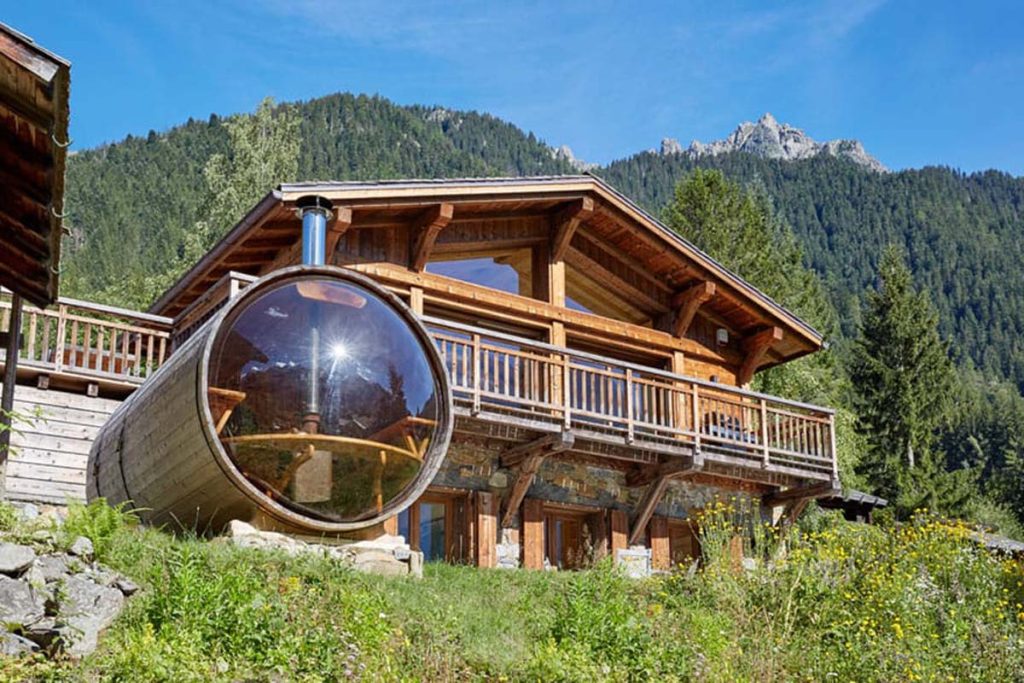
[606, 343]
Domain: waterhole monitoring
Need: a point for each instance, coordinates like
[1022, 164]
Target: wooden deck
[78, 344]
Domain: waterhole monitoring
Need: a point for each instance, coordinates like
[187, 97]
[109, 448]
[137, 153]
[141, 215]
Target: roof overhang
[34, 88]
[370, 200]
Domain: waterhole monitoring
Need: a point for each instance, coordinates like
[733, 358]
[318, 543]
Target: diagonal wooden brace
[527, 459]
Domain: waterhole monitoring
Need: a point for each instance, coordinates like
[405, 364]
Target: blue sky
[918, 82]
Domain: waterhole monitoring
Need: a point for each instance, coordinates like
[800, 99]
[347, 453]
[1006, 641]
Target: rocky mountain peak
[773, 140]
[564, 153]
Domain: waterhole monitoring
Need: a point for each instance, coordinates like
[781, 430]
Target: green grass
[844, 602]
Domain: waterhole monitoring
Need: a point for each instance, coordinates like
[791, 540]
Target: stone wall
[474, 464]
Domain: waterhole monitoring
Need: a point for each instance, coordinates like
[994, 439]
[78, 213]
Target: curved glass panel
[323, 397]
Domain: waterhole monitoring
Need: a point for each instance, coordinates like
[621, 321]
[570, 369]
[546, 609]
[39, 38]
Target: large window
[436, 525]
[324, 398]
[494, 272]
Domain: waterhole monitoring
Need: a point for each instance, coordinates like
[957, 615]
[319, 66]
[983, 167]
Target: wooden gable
[616, 256]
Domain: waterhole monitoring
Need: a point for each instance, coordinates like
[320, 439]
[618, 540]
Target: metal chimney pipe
[315, 211]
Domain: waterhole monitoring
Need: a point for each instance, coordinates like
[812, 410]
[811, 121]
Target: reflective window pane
[432, 531]
[323, 397]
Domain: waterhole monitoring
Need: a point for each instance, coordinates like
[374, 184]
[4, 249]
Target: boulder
[82, 547]
[13, 645]
[15, 559]
[20, 605]
[86, 610]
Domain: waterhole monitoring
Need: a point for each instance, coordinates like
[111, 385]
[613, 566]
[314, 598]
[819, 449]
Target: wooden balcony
[507, 387]
[514, 388]
[79, 343]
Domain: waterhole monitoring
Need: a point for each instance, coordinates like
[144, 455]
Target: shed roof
[34, 87]
[272, 226]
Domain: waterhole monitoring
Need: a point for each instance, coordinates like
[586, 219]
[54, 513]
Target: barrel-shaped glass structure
[318, 402]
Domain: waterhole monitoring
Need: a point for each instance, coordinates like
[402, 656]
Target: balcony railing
[504, 375]
[89, 341]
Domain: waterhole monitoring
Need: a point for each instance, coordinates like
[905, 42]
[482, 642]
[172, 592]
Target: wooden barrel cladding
[315, 402]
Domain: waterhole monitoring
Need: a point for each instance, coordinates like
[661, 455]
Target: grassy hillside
[844, 602]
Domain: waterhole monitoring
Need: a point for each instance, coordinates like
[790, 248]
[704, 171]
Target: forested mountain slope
[964, 235]
[130, 204]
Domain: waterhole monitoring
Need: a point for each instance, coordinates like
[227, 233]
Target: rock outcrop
[564, 153]
[773, 140]
[56, 601]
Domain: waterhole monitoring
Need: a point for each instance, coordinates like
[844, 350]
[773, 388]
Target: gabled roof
[272, 225]
[34, 85]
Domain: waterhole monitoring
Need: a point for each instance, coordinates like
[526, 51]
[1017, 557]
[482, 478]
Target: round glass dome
[324, 397]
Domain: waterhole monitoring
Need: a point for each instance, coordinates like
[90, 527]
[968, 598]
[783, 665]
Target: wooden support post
[426, 231]
[338, 226]
[566, 223]
[10, 377]
[533, 533]
[618, 532]
[486, 529]
[528, 458]
[686, 304]
[755, 347]
[646, 508]
[661, 557]
[391, 526]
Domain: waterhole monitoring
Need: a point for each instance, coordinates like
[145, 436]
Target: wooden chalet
[600, 363]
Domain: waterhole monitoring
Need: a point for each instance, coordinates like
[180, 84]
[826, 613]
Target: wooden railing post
[62, 319]
[476, 374]
[764, 434]
[566, 391]
[832, 445]
[696, 416]
[629, 405]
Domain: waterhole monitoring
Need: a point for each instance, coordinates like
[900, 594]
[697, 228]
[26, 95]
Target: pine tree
[903, 382]
[739, 228]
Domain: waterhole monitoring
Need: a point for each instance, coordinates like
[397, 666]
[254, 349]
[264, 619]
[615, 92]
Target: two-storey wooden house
[600, 363]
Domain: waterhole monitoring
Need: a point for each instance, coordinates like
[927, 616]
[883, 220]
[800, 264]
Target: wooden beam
[426, 229]
[610, 282]
[567, 222]
[755, 347]
[652, 496]
[336, 229]
[645, 475]
[686, 304]
[528, 458]
[646, 507]
[550, 443]
[800, 493]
